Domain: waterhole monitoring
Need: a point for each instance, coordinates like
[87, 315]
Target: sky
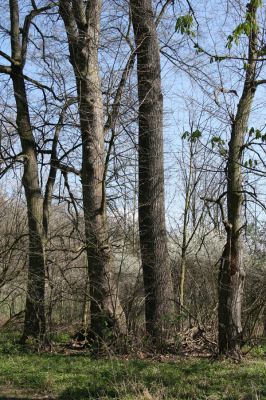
[185, 100]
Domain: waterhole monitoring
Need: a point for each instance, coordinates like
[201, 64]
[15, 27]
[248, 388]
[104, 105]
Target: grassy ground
[30, 376]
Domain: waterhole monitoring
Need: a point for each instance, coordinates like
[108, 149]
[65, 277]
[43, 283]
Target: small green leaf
[192, 136]
[185, 135]
[198, 48]
[251, 131]
[195, 135]
[184, 24]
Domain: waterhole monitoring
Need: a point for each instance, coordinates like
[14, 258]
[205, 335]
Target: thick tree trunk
[153, 239]
[231, 274]
[231, 284]
[82, 22]
[34, 314]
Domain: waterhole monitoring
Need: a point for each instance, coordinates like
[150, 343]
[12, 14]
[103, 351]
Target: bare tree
[34, 315]
[37, 206]
[232, 274]
[153, 240]
[82, 23]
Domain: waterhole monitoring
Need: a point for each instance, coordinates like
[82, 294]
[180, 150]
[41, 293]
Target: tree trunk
[34, 314]
[185, 240]
[153, 239]
[34, 324]
[82, 22]
[231, 274]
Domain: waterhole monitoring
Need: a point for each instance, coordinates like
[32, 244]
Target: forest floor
[29, 375]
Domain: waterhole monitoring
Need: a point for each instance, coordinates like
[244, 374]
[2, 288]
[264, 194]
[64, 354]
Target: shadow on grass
[107, 382]
[84, 393]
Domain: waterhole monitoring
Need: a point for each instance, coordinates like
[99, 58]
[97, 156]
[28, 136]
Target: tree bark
[158, 285]
[82, 23]
[34, 324]
[232, 274]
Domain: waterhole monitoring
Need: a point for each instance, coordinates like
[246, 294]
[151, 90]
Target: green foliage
[250, 163]
[217, 59]
[259, 351]
[184, 25]
[9, 343]
[257, 134]
[217, 141]
[245, 28]
[61, 337]
[192, 136]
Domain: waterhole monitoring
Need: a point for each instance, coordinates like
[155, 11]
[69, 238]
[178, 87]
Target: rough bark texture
[83, 27]
[153, 240]
[232, 274]
[34, 313]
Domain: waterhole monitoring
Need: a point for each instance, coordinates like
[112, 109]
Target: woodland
[132, 193]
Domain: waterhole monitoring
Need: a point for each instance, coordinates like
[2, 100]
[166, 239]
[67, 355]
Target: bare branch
[260, 82]
[42, 86]
[112, 117]
[6, 56]
[4, 69]
[53, 168]
[161, 13]
[15, 43]
[26, 27]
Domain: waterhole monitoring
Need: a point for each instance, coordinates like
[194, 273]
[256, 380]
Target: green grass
[80, 377]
